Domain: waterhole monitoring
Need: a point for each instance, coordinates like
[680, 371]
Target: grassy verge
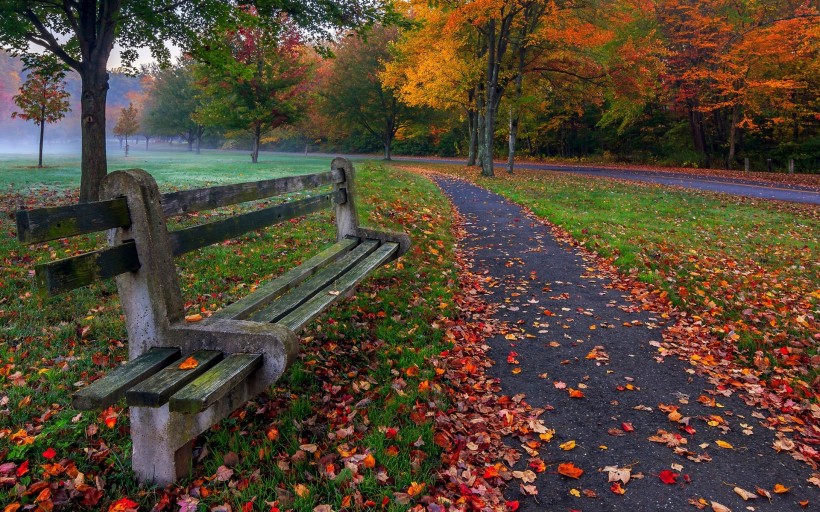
[748, 270]
[344, 428]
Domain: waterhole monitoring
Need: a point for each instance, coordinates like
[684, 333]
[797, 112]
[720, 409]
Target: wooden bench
[240, 350]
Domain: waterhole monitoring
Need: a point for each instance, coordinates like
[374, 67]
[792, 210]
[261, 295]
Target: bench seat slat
[269, 291]
[188, 201]
[212, 385]
[66, 274]
[302, 293]
[43, 224]
[187, 240]
[305, 313]
[107, 390]
[157, 389]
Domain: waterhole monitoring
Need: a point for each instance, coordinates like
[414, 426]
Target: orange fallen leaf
[369, 461]
[301, 490]
[570, 470]
[189, 364]
[415, 488]
[576, 393]
[617, 488]
[781, 489]
[193, 318]
[724, 444]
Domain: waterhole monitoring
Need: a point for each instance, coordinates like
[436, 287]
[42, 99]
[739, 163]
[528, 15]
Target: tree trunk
[387, 149]
[489, 103]
[512, 141]
[479, 127]
[257, 135]
[472, 128]
[42, 133]
[190, 139]
[730, 159]
[92, 109]
[514, 110]
[199, 131]
[146, 143]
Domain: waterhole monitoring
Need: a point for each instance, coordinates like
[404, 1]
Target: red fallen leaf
[627, 427]
[247, 507]
[23, 469]
[189, 364]
[576, 393]
[617, 488]
[391, 432]
[50, 453]
[547, 312]
[123, 505]
[569, 469]
[512, 506]
[392, 450]
[491, 472]
[669, 477]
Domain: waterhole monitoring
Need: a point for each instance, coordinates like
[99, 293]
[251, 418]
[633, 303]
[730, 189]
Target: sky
[144, 57]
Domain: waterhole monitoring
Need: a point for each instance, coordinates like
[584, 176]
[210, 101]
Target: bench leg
[160, 456]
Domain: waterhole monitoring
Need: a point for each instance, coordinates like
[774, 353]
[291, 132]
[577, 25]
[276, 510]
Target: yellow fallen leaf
[724, 444]
[193, 318]
[516, 370]
[569, 445]
[301, 490]
[189, 364]
[575, 492]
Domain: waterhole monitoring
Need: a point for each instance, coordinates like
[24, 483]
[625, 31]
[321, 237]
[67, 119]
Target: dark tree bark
[42, 133]
[92, 110]
[257, 136]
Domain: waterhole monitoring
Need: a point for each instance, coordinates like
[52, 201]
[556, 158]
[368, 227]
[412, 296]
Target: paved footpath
[622, 382]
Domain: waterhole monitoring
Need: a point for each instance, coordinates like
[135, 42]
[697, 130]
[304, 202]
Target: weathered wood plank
[302, 293]
[157, 389]
[305, 313]
[188, 201]
[43, 224]
[214, 384]
[112, 387]
[269, 291]
[186, 240]
[68, 273]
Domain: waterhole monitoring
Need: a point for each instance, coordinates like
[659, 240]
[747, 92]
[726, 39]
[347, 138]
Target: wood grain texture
[187, 240]
[157, 389]
[189, 201]
[214, 384]
[273, 289]
[66, 274]
[112, 387]
[43, 224]
[308, 311]
[302, 293]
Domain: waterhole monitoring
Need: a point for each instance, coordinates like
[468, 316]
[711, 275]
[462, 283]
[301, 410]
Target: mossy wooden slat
[43, 224]
[66, 274]
[112, 387]
[187, 240]
[302, 293]
[305, 313]
[269, 291]
[212, 385]
[157, 389]
[188, 201]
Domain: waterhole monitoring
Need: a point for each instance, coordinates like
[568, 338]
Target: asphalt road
[748, 188]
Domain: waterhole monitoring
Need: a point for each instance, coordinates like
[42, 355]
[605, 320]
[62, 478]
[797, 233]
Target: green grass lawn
[363, 364]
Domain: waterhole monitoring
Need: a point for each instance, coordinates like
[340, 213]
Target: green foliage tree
[127, 123]
[354, 89]
[82, 34]
[42, 98]
[173, 100]
[253, 81]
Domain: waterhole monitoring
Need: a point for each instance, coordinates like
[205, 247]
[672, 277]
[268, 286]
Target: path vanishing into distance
[578, 334]
[724, 185]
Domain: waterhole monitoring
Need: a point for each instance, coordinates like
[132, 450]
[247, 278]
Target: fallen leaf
[669, 477]
[724, 444]
[717, 507]
[743, 493]
[569, 445]
[189, 364]
[193, 318]
[781, 489]
[569, 469]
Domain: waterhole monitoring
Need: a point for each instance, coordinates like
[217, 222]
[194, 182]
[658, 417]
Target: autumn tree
[354, 91]
[127, 123]
[83, 33]
[173, 101]
[42, 98]
[253, 81]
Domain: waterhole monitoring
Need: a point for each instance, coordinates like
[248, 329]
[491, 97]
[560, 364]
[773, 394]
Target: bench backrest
[44, 224]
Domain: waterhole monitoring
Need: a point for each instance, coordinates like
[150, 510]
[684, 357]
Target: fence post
[769, 164]
[746, 164]
[791, 165]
